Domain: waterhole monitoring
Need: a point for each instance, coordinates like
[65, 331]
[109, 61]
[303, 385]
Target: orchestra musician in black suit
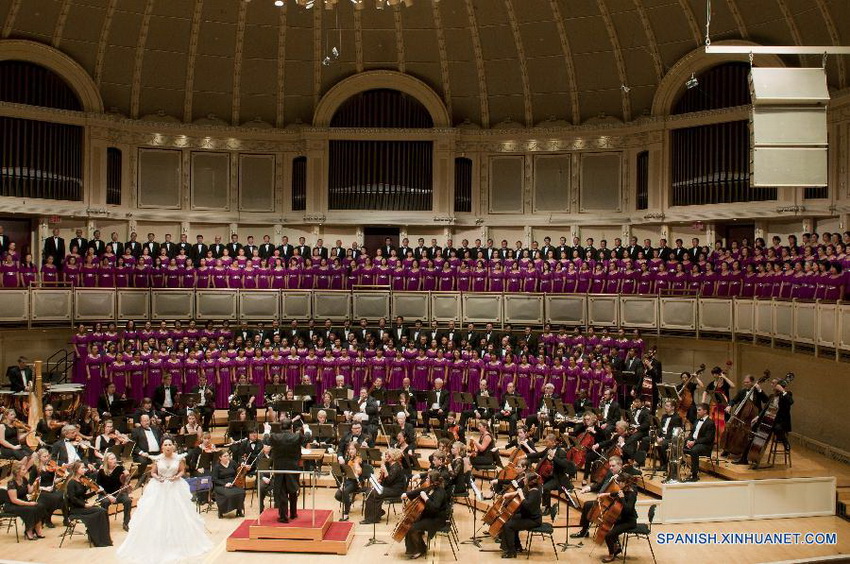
[438, 405]
[206, 404]
[20, 376]
[700, 441]
[506, 412]
[669, 421]
[146, 441]
[106, 403]
[527, 517]
[609, 410]
[561, 470]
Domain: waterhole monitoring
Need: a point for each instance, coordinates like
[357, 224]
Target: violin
[89, 483]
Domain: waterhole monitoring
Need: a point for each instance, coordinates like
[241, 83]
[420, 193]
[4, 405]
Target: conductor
[285, 448]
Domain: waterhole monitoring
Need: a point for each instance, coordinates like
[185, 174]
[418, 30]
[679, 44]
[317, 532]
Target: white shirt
[637, 416]
[168, 402]
[72, 452]
[697, 428]
[436, 404]
[203, 400]
[605, 410]
[153, 445]
[666, 424]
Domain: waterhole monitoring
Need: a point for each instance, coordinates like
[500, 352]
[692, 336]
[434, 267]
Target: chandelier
[358, 4]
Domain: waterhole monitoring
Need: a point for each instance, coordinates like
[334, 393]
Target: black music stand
[348, 405]
[292, 407]
[463, 398]
[305, 390]
[340, 393]
[517, 403]
[474, 540]
[272, 389]
[188, 400]
[237, 428]
[626, 379]
[325, 431]
[392, 397]
[572, 501]
[247, 390]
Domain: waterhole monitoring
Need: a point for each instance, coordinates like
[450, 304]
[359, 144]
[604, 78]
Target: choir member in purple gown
[446, 278]
[530, 277]
[308, 275]
[524, 381]
[479, 283]
[413, 278]
[118, 374]
[234, 276]
[28, 271]
[429, 277]
[456, 378]
[646, 281]
[174, 367]
[49, 272]
[584, 278]
[258, 373]
[95, 374]
[420, 372]
[88, 273]
[557, 377]
[360, 370]
[224, 381]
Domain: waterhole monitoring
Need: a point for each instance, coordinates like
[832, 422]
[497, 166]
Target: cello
[686, 397]
[608, 507]
[412, 512]
[578, 452]
[506, 510]
[764, 430]
[739, 425]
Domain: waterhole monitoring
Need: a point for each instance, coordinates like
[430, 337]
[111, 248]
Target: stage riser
[284, 545]
[747, 500]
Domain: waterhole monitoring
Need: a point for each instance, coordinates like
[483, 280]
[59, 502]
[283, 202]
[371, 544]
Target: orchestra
[72, 466]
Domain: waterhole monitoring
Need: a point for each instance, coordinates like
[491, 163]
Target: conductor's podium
[303, 534]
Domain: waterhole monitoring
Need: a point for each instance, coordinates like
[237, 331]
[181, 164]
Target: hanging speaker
[788, 127]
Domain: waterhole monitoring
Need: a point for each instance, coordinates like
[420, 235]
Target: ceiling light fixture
[692, 82]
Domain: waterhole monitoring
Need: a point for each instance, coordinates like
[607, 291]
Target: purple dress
[328, 375]
[191, 370]
[539, 376]
[174, 368]
[88, 275]
[497, 281]
[479, 284]
[225, 382]
[420, 373]
[524, 384]
[398, 372]
[493, 374]
[359, 373]
[457, 370]
[258, 377]
[583, 280]
[137, 380]
[556, 378]
[94, 378]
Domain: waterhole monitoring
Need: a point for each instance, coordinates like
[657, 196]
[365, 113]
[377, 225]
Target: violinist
[48, 427]
[461, 470]
[407, 458]
[433, 517]
[15, 500]
[228, 497]
[65, 450]
[11, 433]
[114, 480]
[609, 410]
[527, 517]
[348, 486]
[45, 475]
[107, 439]
[392, 480]
[192, 427]
[77, 493]
[193, 457]
[481, 450]
[669, 421]
[558, 471]
[206, 403]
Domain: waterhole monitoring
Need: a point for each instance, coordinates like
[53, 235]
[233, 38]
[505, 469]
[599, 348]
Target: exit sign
[53, 219]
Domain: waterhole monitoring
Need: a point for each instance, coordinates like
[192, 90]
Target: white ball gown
[165, 526]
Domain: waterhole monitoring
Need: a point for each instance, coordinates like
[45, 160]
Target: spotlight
[278, 3]
[692, 82]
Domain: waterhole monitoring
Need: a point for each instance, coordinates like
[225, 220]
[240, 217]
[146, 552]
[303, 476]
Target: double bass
[739, 425]
[647, 384]
[764, 431]
[686, 397]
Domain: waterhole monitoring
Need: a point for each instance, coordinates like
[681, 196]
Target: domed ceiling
[492, 61]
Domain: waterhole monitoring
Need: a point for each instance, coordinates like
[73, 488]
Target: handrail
[63, 362]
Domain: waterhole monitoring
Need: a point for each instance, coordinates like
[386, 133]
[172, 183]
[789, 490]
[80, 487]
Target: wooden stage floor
[48, 550]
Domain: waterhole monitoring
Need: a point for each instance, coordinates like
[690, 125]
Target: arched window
[381, 174]
[39, 159]
[711, 163]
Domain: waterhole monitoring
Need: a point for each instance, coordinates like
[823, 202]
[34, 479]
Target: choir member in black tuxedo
[562, 469]
[228, 497]
[433, 517]
[393, 481]
[77, 495]
[42, 469]
[112, 478]
[631, 368]
[54, 246]
[345, 493]
[286, 454]
[527, 517]
[669, 421]
[506, 412]
[146, 440]
[700, 441]
[14, 499]
[609, 410]
[438, 405]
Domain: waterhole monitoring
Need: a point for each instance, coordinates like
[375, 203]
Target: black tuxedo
[303, 250]
[81, 243]
[442, 409]
[323, 252]
[285, 250]
[98, 245]
[613, 413]
[198, 252]
[387, 250]
[266, 250]
[336, 253]
[402, 252]
[170, 248]
[135, 248]
[141, 445]
[159, 397]
[233, 249]
[249, 250]
[285, 455]
[54, 247]
[217, 249]
[152, 247]
[117, 247]
[640, 420]
[59, 452]
[703, 443]
[420, 253]
[106, 407]
[666, 434]
[208, 408]
[183, 246]
[16, 379]
[453, 335]
[398, 332]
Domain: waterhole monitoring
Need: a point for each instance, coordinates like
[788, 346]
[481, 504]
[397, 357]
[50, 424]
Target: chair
[446, 532]
[543, 531]
[8, 518]
[71, 527]
[391, 503]
[641, 531]
[774, 449]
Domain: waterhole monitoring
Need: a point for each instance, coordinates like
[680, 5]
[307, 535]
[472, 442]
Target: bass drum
[66, 400]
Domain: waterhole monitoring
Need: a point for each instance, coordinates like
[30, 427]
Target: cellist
[433, 517]
[561, 470]
[527, 517]
[615, 465]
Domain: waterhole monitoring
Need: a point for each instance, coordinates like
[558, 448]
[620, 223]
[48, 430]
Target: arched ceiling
[492, 61]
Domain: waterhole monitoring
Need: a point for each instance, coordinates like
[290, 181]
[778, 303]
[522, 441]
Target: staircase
[58, 367]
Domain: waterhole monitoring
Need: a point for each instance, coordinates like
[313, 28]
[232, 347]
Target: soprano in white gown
[165, 526]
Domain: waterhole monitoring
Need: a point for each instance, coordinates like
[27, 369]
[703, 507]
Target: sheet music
[475, 490]
[375, 484]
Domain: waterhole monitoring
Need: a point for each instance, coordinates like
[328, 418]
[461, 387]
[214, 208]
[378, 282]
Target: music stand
[190, 440]
[392, 429]
[626, 379]
[572, 501]
[305, 390]
[342, 430]
[489, 402]
[264, 464]
[207, 459]
[292, 407]
[348, 405]
[379, 394]
[392, 397]
[518, 404]
[387, 412]
[188, 400]
[272, 389]
[462, 398]
[325, 431]
[247, 390]
[421, 396]
[237, 428]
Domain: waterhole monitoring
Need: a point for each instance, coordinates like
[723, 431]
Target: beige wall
[37, 344]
